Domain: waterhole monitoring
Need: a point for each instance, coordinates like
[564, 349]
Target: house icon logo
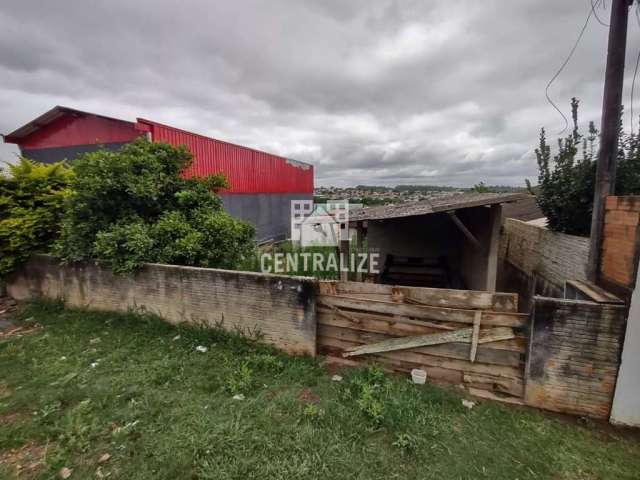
[322, 224]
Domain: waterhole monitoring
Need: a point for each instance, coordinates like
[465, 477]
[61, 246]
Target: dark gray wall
[270, 213]
[56, 154]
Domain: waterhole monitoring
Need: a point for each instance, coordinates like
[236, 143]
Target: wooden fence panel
[474, 339]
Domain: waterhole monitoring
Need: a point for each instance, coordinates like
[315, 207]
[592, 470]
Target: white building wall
[626, 400]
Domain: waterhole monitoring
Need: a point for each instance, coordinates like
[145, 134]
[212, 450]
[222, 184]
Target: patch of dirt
[8, 325]
[333, 367]
[307, 396]
[26, 461]
[15, 331]
[5, 391]
[9, 418]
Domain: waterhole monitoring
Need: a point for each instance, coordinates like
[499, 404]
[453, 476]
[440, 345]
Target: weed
[313, 412]
[406, 442]
[368, 387]
[240, 380]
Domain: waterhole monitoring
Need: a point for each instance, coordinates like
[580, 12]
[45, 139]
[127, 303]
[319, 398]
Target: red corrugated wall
[82, 129]
[248, 170]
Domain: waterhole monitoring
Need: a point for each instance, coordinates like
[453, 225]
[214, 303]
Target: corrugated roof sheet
[454, 201]
[48, 118]
[248, 170]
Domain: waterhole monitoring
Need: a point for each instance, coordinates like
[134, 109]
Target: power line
[595, 14]
[564, 64]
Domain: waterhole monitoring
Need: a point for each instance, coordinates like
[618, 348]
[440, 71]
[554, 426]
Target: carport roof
[444, 203]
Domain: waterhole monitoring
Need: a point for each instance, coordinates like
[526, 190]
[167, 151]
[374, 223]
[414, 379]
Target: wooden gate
[474, 339]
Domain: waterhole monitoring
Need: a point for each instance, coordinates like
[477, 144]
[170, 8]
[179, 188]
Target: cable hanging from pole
[564, 64]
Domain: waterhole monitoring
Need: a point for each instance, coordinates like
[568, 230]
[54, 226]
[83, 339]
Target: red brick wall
[620, 240]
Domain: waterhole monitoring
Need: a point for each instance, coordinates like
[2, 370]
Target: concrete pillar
[626, 400]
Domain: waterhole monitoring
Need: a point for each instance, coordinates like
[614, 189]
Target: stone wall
[574, 354]
[281, 308]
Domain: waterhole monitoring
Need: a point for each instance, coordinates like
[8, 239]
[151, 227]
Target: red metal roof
[63, 126]
[248, 170]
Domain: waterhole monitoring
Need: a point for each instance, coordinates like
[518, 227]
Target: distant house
[262, 185]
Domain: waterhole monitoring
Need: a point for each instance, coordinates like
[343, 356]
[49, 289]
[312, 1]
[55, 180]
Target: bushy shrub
[566, 182]
[31, 199]
[133, 206]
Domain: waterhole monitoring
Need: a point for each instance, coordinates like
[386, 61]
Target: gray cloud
[370, 92]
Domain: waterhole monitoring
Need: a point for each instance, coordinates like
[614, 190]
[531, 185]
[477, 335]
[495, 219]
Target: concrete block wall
[621, 238]
[626, 402]
[281, 308]
[532, 254]
[574, 354]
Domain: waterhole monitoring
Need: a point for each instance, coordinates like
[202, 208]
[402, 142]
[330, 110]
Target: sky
[370, 92]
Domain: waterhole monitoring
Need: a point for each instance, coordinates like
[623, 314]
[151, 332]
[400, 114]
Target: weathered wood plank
[400, 327]
[456, 350]
[495, 301]
[414, 358]
[481, 393]
[512, 386]
[505, 319]
[376, 323]
[404, 343]
[475, 336]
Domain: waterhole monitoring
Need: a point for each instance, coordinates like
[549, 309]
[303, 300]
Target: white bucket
[418, 376]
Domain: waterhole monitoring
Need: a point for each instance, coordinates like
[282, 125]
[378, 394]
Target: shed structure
[450, 241]
[262, 185]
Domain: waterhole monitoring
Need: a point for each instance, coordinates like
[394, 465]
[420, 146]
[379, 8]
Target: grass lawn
[128, 396]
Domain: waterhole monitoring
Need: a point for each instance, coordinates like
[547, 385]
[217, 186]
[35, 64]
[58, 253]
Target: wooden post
[360, 246]
[495, 219]
[344, 257]
[611, 108]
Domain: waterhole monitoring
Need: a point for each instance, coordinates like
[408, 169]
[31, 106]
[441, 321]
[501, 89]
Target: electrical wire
[564, 64]
[595, 14]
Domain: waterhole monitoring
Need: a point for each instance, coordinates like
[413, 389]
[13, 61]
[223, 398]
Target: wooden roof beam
[463, 228]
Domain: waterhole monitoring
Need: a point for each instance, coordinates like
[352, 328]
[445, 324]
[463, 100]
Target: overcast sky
[370, 92]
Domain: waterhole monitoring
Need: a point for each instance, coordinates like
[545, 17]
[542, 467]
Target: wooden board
[469, 299]
[413, 357]
[463, 335]
[403, 328]
[457, 350]
[398, 327]
[497, 319]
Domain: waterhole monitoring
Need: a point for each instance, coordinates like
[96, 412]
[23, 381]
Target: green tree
[566, 181]
[31, 203]
[133, 206]
[480, 188]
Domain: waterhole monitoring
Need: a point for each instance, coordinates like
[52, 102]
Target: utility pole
[611, 109]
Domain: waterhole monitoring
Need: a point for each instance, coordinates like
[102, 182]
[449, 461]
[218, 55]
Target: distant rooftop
[441, 203]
